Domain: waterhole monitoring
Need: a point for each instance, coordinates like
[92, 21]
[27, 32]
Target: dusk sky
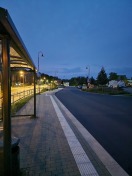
[75, 34]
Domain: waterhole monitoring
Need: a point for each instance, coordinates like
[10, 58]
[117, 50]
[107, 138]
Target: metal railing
[16, 97]
[21, 95]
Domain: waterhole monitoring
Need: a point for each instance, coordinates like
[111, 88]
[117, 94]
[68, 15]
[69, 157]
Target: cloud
[72, 70]
[66, 71]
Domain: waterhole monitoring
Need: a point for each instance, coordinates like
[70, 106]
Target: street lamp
[22, 76]
[40, 52]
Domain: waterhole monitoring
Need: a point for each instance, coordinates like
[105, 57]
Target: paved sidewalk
[48, 143]
[44, 150]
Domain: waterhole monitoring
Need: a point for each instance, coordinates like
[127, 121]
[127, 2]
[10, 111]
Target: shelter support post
[6, 105]
[34, 93]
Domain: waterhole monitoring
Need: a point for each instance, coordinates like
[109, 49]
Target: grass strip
[18, 105]
[106, 90]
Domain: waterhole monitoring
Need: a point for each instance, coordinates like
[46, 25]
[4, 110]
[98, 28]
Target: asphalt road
[107, 118]
[128, 89]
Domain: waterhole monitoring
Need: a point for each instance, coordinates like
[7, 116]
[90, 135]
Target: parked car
[79, 86]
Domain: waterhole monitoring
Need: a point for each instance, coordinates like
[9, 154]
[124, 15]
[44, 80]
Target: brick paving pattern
[44, 150]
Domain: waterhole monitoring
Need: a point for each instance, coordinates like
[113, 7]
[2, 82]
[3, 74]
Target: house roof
[19, 56]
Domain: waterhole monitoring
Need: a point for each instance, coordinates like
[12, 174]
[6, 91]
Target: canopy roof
[19, 56]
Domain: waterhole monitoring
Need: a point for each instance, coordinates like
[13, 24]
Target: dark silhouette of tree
[75, 81]
[113, 76]
[122, 77]
[92, 81]
[102, 77]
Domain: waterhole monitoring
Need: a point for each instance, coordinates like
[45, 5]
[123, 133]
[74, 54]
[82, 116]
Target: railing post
[12, 99]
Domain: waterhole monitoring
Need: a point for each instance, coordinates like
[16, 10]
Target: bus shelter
[13, 57]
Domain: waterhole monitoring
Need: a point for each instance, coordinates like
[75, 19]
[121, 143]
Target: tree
[78, 81]
[113, 76]
[122, 77]
[73, 82]
[102, 77]
[92, 81]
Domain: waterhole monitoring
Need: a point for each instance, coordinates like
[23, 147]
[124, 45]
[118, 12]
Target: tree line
[102, 78]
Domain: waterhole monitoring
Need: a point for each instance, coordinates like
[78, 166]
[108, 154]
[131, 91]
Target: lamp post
[40, 52]
[88, 77]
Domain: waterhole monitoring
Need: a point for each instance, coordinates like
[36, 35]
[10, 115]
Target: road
[128, 89]
[107, 118]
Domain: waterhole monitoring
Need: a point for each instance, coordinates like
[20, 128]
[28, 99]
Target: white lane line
[84, 164]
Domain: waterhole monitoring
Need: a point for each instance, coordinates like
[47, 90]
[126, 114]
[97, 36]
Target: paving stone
[43, 147]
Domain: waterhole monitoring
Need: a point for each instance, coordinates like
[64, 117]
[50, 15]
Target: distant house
[112, 84]
[66, 84]
[129, 82]
[115, 84]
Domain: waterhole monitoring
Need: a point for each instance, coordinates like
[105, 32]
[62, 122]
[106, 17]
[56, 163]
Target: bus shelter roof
[19, 56]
